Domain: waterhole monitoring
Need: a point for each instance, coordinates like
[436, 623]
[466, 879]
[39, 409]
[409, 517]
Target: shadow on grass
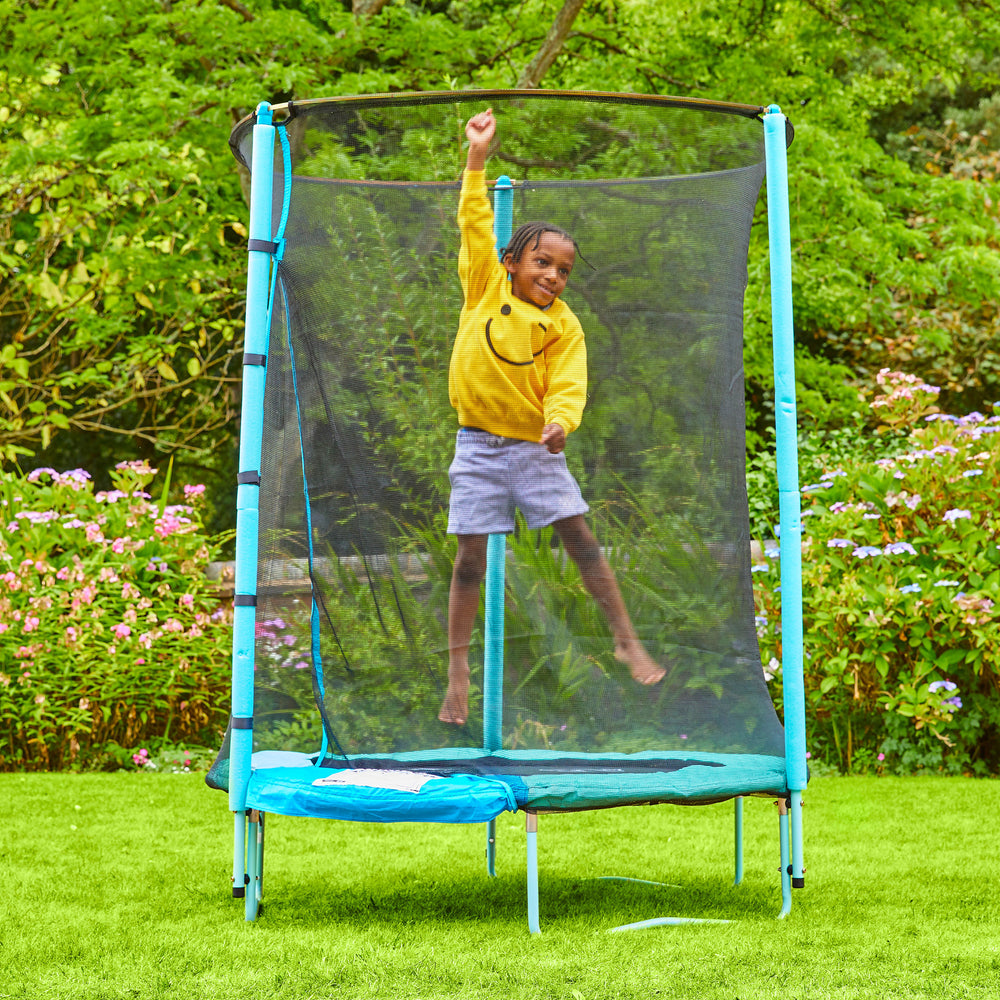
[502, 901]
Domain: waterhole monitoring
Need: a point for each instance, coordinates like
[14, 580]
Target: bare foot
[455, 707]
[641, 665]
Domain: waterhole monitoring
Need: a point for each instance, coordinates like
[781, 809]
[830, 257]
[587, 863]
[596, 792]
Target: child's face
[541, 274]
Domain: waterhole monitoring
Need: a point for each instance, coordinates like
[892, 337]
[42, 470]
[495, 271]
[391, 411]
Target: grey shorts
[492, 475]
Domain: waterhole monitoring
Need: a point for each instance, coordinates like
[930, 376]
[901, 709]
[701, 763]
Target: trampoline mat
[474, 786]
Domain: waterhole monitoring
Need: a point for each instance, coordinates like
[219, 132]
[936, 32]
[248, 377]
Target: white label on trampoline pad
[373, 777]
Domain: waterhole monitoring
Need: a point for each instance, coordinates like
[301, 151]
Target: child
[518, 379]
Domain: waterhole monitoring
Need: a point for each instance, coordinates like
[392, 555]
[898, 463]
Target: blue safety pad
[743, 774]
[458, 798]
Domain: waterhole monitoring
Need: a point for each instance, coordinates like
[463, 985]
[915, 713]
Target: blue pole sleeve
[496, 554]
[503, 211]
[251, 432]
[779, 236]
[496, 547]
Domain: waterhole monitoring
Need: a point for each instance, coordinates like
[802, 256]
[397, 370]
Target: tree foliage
[121, 232]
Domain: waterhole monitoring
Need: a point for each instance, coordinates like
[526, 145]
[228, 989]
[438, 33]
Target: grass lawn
[117, 886]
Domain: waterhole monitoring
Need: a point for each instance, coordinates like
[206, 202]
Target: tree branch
[364, 9]
[532, 74]
[235, 5]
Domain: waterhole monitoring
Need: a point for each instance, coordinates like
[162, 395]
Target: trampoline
[343, 561]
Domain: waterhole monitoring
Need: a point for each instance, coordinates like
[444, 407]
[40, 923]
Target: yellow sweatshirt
[514, 367]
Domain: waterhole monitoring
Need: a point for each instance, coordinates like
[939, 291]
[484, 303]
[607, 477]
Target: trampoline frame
[264, 252]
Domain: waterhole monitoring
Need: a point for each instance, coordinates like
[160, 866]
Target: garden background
[122, 248]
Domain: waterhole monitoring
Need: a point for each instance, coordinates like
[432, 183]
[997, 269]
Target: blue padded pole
[496, 547]
[247, 495]
[793, 687]
[496, 550]
[503, 211]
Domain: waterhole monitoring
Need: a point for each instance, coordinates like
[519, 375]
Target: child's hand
[480, 130]
[554, 438]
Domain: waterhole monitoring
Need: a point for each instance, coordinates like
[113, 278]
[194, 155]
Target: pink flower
[71, 634]
[118, 545]
[31, 623]
[172, 625]
[63, 574]
[3, 627]
[881, 756]
[186, 600]
[140, 661]
[193, 491]
[122, 631]
[94, 533]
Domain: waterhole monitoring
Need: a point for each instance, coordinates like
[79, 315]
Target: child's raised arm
[479, 130]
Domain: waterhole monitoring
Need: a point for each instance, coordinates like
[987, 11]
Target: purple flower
[942, 686]
[825, 485]
[864, 551]
[955, 514]
[898, 548]
[910, 588]
[956, 701]
[969, 473]
[839, 543]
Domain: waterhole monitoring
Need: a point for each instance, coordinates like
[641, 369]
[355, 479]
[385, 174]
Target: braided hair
[528, 235]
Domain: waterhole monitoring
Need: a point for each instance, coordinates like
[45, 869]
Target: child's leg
[599, 579]
[463, 604]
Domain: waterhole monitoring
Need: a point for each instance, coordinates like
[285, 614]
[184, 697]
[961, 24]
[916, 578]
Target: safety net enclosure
[349, 593]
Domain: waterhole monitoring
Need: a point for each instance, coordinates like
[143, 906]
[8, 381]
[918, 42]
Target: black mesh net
[355, 560]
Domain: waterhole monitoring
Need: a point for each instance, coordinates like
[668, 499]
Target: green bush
[900, 565]
[112, 635]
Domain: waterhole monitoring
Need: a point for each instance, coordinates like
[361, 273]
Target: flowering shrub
[171, 759]
[111, 634]
[901, 564]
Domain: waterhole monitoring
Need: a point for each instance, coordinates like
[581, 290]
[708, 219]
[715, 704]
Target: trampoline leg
[786, 861]
[491, 848]
[260, 864]
[252, 898]
[738, 839]
[239, 854]
[531, 828]
[795, 818]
